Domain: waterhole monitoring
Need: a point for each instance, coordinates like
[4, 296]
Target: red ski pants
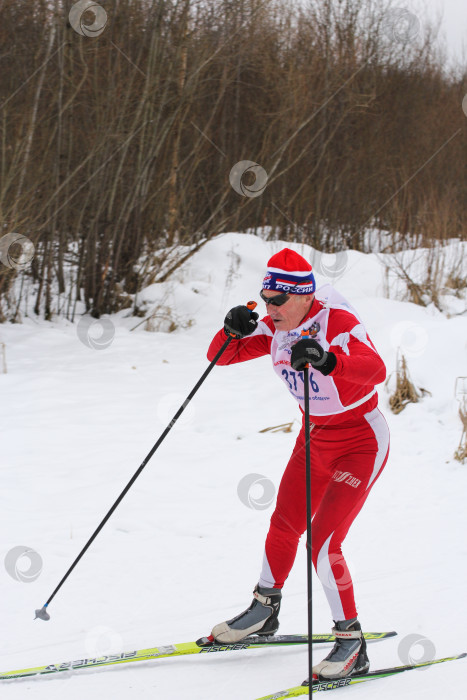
[346, 461]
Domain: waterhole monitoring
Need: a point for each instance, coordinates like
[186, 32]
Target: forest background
[133, 131]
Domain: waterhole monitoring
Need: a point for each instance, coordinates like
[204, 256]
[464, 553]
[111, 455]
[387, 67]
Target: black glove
[308, 351]
[240, 321]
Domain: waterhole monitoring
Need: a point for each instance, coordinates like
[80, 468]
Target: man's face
[288, 316]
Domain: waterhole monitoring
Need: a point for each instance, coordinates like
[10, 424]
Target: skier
[349, 445]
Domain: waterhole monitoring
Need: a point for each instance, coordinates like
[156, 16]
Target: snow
[182, 551]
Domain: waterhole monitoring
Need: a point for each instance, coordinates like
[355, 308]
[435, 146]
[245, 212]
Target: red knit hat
[289, 272]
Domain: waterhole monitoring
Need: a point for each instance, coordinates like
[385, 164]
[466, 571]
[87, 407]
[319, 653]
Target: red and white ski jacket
[349, 391]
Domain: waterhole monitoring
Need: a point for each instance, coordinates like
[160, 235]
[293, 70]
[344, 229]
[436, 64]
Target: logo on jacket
[314, 329]
[290, 339]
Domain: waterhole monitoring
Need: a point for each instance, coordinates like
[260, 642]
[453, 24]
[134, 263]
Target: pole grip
[251, 306]
[306, 334]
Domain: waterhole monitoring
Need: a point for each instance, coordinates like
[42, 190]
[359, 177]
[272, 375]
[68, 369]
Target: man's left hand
[309, 351]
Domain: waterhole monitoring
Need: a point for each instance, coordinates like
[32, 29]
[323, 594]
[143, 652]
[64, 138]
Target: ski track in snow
[182, 552]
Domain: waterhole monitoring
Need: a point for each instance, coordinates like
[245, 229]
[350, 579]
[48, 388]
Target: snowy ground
[183, 552]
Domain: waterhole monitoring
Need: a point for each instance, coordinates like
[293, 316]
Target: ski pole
[42, 612]
[309, 561]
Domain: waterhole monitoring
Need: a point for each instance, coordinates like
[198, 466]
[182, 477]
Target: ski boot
[260, 618]
[348, 656]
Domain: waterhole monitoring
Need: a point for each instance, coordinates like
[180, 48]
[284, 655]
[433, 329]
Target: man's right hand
[240, 321]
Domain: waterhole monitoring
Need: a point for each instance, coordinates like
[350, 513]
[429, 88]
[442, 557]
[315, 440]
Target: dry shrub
[282, 428]
[165, 320]
[456, 283]
[405, 391]
[3, 362]
[423, 276]
[461, 452]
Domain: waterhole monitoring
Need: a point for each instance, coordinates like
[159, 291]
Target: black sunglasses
[277, 300]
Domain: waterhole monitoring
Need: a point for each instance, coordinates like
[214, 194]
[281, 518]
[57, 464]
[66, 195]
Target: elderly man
[349, 445]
